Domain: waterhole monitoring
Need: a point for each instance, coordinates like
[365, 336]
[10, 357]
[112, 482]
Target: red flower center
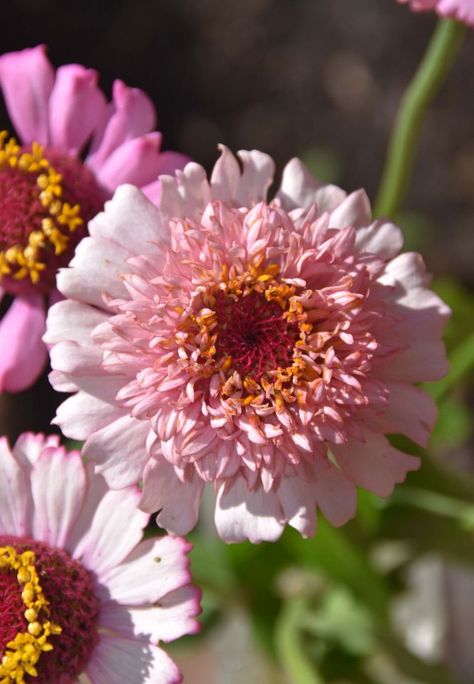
[63, 596]
[254, 334]
[46, 199]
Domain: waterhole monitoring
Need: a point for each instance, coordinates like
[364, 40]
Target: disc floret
[24, 248]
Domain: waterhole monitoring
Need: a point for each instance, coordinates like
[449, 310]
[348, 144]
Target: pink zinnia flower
[48, 192]
[82, 599]
[463, 10]
[264, 347]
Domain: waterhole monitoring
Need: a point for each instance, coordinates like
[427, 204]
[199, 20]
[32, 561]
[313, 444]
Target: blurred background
[390, 598]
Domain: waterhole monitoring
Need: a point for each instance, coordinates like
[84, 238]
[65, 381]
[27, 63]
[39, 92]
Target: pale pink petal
[30, 445]
[185, 194]
[58, 485]
[131, 114]
[256, 178]
[110, 531]
[242, 514]
[14, 494]
[26, 79]
[136, 161]
[151, 571]
[374, 464]
[127, 661]
[23, 355]
[130, 220]
[94, 272]
[336, 495]
[173, 617]
[410, 412]
[299, 189]
[72, 321]
[353, 211]
[225, 176]
[423, 361]
[177, 502]
[381, 237]
[119, 450]
[298, 501]
[76, 107]
[95, 414]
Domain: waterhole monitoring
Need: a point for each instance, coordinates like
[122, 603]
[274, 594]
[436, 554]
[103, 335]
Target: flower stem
[428, 79]
[291, 654]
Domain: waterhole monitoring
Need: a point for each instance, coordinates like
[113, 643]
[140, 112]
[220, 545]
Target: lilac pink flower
[50, 188]
[266, 347]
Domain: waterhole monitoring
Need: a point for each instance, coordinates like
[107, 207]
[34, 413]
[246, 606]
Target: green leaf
[343, 620]
[332, 552]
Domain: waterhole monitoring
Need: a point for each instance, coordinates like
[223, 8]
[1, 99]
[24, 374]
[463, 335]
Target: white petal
[106, 534]
[128, 661]
[14, 494]
[58, 486]
[153, 570]
[173, 617]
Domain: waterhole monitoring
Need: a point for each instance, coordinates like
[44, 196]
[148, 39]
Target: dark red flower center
[52, 590]
[253, 332]
[46, 199]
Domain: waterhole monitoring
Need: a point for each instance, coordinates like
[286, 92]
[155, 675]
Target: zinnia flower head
[462, 10]
[262, 346]
[48, 192]
[81, 597]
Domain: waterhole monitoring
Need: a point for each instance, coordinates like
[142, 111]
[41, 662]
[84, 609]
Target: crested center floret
[48, 613]
[251, 329]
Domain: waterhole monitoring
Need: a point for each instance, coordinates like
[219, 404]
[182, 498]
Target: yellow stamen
[63, 219]
[24, 651]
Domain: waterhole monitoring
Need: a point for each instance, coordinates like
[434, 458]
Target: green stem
[438, 59]
[290, 651]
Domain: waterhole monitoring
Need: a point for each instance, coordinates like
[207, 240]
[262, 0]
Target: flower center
[253, 330]
[45, 201]
[48, 613]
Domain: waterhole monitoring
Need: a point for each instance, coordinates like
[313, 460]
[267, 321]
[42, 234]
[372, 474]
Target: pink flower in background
[264, 347]
[48, 192]
[82, 599]
[463, 10]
